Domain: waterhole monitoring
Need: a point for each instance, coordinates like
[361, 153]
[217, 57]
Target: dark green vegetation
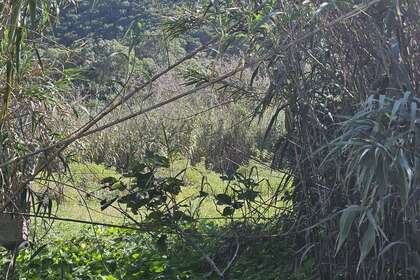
[151, 115]
[106, 19]
[117, 254]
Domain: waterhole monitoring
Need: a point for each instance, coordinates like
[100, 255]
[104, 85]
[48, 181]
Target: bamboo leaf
[32, 12]
[368, 241]
[381, 101]
[413, 115]
[389, 246]
[408, 174]
[395, 109]
[346, 221]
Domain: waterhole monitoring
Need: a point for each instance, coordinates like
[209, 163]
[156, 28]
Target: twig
[232, 260]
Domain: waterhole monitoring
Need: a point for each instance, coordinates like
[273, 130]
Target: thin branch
[81, 221]
[232, 260]
[62, 145]
[83, 132]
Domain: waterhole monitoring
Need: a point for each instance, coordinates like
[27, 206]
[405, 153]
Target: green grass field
[81, 193]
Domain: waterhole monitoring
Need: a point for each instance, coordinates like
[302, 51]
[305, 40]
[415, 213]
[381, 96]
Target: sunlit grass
[83, 192]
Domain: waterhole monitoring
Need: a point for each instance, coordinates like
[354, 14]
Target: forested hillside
[110, 19]
[237, 139]
[120, 20]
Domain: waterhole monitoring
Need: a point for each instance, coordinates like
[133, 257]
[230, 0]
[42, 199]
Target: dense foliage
[107, 19]
[334, 83]
[122, 254]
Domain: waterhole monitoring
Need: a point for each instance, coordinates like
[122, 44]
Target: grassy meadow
[81, 193]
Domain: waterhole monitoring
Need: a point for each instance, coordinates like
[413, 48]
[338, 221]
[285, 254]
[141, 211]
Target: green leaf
[118, 186]
[108, 181]
[248, 194]
[237, 205]
[228, 211]
[368, 241]
[389, 246]
[155, 160]
[203, 194]
[373, 221]
[32, 12]
[108, 277]
[155, 215]
[413, 116]
[223, 199]
[408, 175]
[346, 221]
[157, 267]
[105, 203]
[395, 109]
[322, 7]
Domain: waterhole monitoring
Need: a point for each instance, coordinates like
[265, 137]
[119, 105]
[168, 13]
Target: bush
[124, 254]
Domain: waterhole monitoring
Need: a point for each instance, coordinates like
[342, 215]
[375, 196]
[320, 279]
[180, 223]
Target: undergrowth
[111, 254]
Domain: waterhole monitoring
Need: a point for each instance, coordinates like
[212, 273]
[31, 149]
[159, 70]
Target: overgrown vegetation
[122, 254]
[179, 101]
